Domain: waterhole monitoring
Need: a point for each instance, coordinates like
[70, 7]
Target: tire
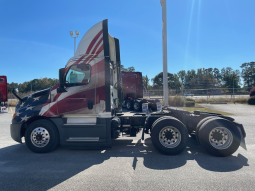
[200, 124]
[137, 105]
[169, 136]
[219, 137]
[129, 104]
[124, 104]
[46, 132]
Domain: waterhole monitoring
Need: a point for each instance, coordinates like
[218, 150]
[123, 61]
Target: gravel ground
[131, 164]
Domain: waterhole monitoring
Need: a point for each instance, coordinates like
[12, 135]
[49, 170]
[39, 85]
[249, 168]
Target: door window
[78, 75]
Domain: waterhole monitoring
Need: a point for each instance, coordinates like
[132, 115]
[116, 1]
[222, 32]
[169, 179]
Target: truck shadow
[32, 171]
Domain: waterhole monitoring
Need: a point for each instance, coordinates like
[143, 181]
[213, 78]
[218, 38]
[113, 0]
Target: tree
[131, 69]
[123, 69]
[248, 73]
[146, 82]
[37, 85]
[190, 79]
[11, 86]
[216, 73]
[217, 76]
[230, 77]
[173, 81]
[182, 74]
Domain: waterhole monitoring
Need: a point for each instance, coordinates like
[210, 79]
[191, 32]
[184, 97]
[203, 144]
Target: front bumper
[15, 129]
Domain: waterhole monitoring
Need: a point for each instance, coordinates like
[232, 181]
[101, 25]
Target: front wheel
[169, 136]
[41, 136]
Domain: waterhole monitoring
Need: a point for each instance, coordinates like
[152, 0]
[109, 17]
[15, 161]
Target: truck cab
[82, 104]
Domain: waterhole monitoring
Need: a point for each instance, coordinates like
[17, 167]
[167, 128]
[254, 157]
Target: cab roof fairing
[90, 46]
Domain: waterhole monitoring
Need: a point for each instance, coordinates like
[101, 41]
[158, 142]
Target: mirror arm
[61, 89]
[13, 91]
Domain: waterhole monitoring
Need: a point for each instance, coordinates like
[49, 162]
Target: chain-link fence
[201, 95]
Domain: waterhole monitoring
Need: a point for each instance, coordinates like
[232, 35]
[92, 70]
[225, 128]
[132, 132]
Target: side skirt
[85, 135]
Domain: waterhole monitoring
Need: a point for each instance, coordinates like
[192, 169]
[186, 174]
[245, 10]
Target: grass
[12, 103]
[204, 109]
[221, 100]
[178, 101]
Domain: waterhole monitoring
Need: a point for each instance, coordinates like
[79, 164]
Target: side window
[1, 79]
[78, 75]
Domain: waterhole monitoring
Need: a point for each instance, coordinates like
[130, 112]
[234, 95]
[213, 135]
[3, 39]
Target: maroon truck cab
[132, 84]
[3, 89]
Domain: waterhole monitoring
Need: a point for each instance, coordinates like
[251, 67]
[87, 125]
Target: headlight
[14, 115]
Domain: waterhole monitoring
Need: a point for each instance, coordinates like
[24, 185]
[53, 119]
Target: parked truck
[132, 83]
[82, 110]
[3, 94]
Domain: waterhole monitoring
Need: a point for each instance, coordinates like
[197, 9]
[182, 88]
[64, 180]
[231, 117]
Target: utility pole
[77, 34]
[164, 39]
[233, 89]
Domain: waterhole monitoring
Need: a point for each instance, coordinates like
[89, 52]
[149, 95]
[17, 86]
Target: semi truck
[3, 94]
[132, 83]
[82, 110]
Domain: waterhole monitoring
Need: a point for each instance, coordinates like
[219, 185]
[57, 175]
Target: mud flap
[242, 144]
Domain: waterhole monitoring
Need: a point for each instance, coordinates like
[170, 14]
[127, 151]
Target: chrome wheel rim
[170, 137]
[40, 137]
[136, 106]
[128, 105]
[123, 104]
[220, 138]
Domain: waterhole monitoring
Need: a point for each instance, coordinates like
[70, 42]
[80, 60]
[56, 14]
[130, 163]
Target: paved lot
[130, 165]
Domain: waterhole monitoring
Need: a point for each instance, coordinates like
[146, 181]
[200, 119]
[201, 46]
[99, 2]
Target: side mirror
[61, 88]
[16, 90]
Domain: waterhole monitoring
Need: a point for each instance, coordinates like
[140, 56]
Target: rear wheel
[41, 136]
[169, 136]
[137, 106]
[124, 104]
[200, 124]
[219, 137]
[129, 104]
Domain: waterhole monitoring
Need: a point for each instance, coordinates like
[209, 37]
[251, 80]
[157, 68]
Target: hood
[43, 94]
[31, 105]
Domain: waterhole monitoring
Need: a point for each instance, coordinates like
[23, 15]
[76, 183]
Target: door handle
[90, 104]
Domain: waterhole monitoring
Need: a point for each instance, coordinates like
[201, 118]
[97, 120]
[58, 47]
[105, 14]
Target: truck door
[80, 87]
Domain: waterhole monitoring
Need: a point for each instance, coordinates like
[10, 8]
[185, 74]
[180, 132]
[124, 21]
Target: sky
[35, 40]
